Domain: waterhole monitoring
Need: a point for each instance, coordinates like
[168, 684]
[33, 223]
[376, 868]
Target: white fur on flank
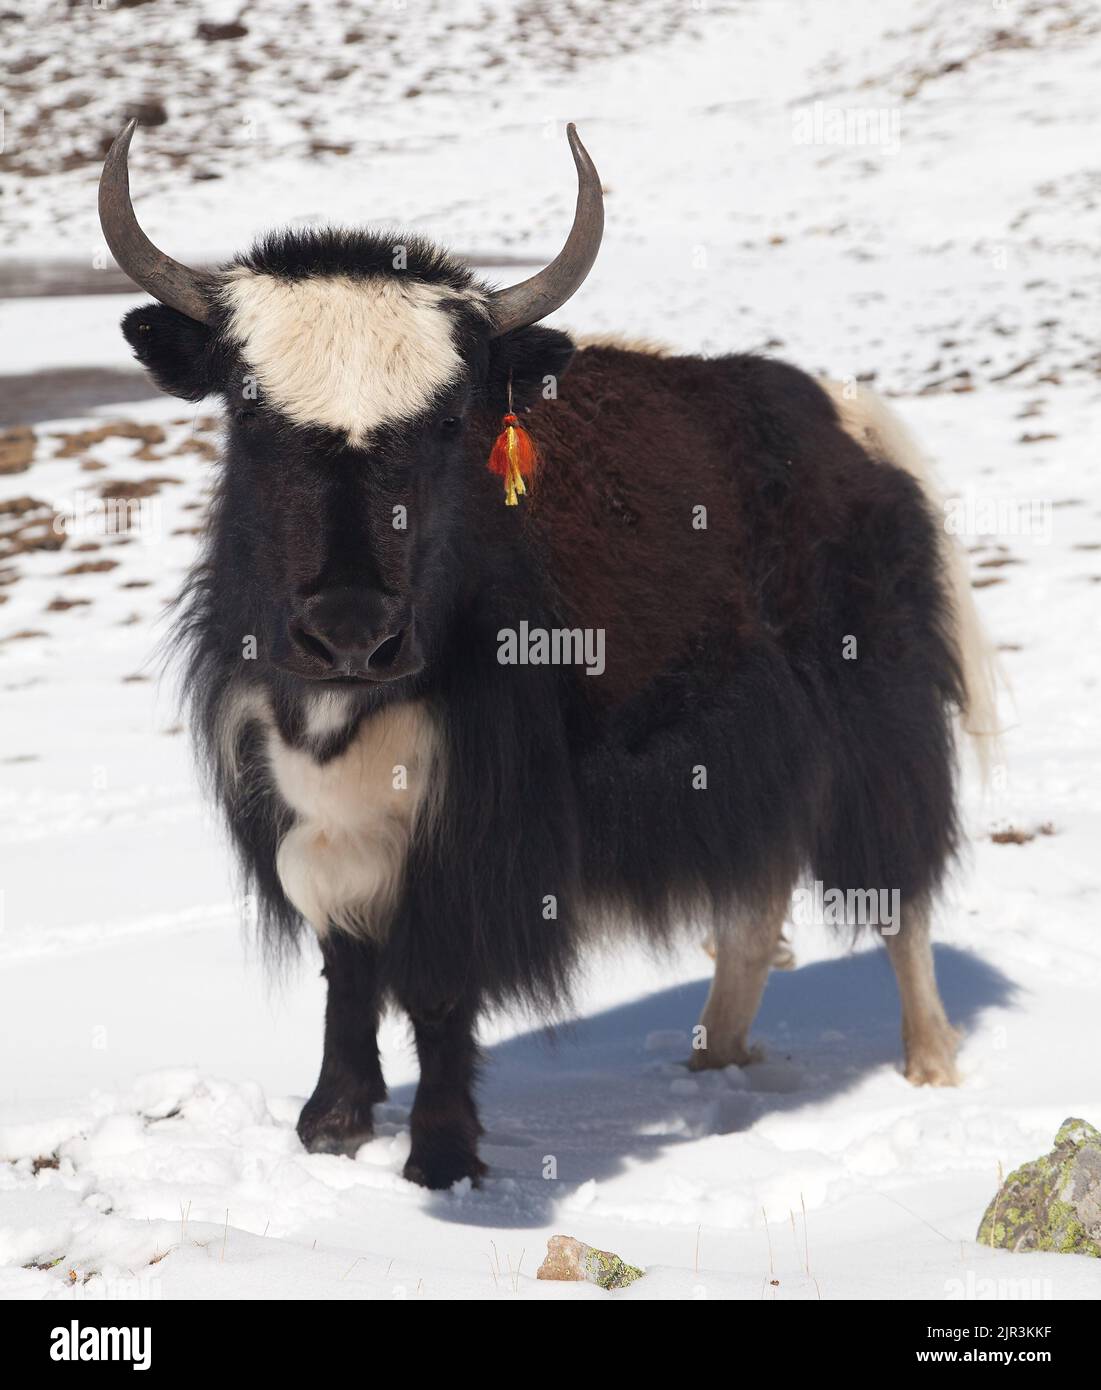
[348, 354]
[868, 419]
[341, 862]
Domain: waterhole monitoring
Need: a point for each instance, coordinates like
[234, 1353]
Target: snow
[151, 1058]
[91, 332]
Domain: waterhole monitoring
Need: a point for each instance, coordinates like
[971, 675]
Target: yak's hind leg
[744, 953]
[337, 1118]
[929, 1041]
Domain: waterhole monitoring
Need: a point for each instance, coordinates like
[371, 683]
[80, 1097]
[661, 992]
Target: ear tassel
[514, 458]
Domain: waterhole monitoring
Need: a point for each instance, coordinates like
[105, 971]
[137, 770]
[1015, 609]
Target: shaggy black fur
[725, 652]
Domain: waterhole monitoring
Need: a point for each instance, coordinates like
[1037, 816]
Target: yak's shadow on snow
[578, 1103]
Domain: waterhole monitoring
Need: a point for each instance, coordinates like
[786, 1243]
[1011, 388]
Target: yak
[787, 647]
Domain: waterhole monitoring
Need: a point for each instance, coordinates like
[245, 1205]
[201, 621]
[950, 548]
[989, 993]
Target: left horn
[165, 279]
[535, 298]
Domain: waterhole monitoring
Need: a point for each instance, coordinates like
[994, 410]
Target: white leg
[744, 951]
[783, 957]
[928, 1039]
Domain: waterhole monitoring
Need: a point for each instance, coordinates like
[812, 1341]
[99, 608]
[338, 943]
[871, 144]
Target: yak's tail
[870, 421]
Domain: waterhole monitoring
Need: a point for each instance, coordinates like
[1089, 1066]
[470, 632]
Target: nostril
[347, 644]
[312, 646]
[386, 653]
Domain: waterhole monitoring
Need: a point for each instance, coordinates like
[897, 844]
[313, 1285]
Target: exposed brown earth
[16, 449]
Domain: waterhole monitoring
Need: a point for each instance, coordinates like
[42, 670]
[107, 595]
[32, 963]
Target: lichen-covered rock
[1053, 1203]
[571, 1259]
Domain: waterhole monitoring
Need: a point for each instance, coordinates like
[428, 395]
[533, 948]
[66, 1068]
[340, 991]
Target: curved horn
[535, 298]
[165, 279]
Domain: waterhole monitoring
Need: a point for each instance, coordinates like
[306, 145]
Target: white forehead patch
[349, 354]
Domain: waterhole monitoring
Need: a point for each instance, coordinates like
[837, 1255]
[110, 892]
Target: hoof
[932, 1071]
[931, 1060]
[438, 1172]
[334, 1127]
[328, 1142]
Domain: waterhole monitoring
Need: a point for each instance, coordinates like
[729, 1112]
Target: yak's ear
[174, 349]
[537, 358]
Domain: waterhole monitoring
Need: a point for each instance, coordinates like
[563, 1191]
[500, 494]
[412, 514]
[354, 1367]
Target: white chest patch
[341, 863]
[348, 354]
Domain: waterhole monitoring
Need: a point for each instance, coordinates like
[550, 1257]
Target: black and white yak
[787, 636]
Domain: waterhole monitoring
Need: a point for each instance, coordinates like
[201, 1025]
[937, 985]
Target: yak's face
[350, 386]
[350, 365]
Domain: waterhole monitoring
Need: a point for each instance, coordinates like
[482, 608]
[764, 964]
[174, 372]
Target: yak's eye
[451, 424]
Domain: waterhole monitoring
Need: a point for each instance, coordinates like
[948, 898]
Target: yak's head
[350, 364]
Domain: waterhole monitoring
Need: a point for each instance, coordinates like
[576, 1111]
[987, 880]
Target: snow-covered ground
[152, 1071]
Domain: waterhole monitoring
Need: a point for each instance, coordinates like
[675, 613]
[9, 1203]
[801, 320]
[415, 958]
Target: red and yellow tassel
[514, 458]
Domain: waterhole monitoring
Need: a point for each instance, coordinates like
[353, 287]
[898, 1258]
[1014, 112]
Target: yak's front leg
[337, 1117]
[444, 1123]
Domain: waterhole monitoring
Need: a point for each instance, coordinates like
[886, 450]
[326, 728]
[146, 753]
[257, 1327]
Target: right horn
[165, 279]
[535, 298]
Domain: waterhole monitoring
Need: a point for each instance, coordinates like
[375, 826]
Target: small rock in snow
[571, 1259]
[1054, 1202]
